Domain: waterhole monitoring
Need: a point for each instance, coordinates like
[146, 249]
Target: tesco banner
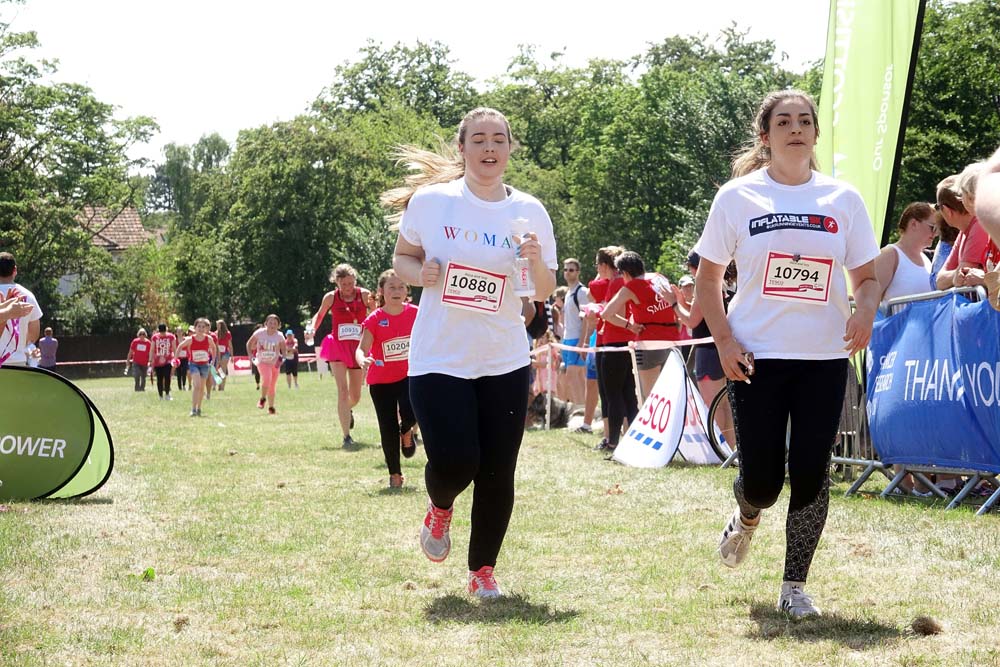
[934, 385]
[672, 419]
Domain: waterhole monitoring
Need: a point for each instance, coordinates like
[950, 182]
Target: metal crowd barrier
[855, 448]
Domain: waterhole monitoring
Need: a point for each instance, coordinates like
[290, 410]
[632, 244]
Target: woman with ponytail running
[785, 343]
[348, 308]
[460, 233]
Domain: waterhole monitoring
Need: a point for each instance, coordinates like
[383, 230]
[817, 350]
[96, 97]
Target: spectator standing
[181, 358]
[965, 264]
[164, 345]
[614, 369]
[902, 268]
[947, 235]
[49, 347]
[575, 331]
[18, 336]
[138, 359]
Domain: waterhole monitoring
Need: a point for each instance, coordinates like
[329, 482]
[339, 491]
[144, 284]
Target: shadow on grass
[855, 633]
[86, 500]
[507, 609]
[355, 446]
[404, 491]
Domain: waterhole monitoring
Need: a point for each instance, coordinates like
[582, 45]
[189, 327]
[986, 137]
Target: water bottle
[310, 336]
[523, 283]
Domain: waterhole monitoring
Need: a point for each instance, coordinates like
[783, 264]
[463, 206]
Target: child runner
[224, 339]
[201, 349]
[291, 363]
[164, 345]
[793, 232]
[348, 306]
[384, 350]
[138, 358]
[266, 348]
[469, 359]
[182, 358]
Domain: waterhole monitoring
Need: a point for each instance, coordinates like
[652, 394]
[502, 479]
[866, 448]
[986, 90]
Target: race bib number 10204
[469, 288]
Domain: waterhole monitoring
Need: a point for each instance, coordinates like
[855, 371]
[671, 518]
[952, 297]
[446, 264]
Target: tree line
[625, 152]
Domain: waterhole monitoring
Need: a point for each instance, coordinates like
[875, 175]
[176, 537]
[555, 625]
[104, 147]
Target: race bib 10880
[469, 288]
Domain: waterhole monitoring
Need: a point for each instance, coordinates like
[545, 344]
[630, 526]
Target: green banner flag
[871, 51]
[53, 441]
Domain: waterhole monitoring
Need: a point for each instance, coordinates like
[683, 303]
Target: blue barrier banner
[934, 385]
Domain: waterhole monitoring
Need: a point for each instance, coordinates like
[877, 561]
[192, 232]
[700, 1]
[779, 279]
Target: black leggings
[472, 432]
[395, 417]
[182, 374]
[614, 374]
[811, 393]
[162, 379]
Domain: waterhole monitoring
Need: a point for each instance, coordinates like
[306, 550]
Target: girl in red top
[384, 351]
[348, 306]
[650, 316]
[224, 339]
[201, 349]
[138, 358]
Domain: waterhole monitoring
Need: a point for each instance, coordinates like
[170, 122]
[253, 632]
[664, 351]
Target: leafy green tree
[420, 77]
[60, 149]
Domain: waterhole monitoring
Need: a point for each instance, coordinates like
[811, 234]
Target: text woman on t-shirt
[348, 307]
[789, 330]
[460, 232]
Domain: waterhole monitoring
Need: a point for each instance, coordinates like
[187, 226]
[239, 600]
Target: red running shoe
[482, 584]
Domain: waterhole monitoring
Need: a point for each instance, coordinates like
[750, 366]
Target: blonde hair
[221, 327]
[754, 154]
[969, 179]
[430, 167]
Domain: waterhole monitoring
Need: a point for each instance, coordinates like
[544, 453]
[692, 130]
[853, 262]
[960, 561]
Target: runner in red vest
[348, 306]
[201, 349]
[138, 358]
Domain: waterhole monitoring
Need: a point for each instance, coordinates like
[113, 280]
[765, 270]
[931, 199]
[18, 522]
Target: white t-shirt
[18, 355]
[453, 225]
[773, 230]
[573, 325]
[909, 279]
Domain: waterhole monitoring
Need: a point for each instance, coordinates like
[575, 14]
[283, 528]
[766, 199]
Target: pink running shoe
[482, 584]
[434, 539]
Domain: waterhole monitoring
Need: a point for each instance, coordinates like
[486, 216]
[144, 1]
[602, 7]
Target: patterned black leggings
[811, 394]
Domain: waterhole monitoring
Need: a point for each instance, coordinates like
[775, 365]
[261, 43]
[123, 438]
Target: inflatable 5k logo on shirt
[809, 222]
[53, 441]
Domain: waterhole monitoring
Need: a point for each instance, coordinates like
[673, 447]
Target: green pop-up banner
[53, 441]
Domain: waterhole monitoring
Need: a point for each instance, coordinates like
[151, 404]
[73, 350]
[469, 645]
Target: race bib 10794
[793, 277]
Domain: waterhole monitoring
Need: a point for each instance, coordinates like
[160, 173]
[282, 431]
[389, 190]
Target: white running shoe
[434, 538]
[794, 601]
[735, 541]
[482, 584]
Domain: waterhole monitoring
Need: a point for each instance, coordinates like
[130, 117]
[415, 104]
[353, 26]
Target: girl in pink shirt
[267, 348]
[384, 351]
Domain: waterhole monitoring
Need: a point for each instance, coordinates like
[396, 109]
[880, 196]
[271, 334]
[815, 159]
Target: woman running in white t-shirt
[460, 232]
[789, 330]
[266, 348]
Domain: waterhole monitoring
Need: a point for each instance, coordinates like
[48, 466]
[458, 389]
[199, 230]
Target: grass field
[247, 539]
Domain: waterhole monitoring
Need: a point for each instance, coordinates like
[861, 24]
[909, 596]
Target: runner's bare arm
[323, 308]
[988, 198]
[364, 346]
[614, 312]
[411, 264]
[708, 292]
[867, 293]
